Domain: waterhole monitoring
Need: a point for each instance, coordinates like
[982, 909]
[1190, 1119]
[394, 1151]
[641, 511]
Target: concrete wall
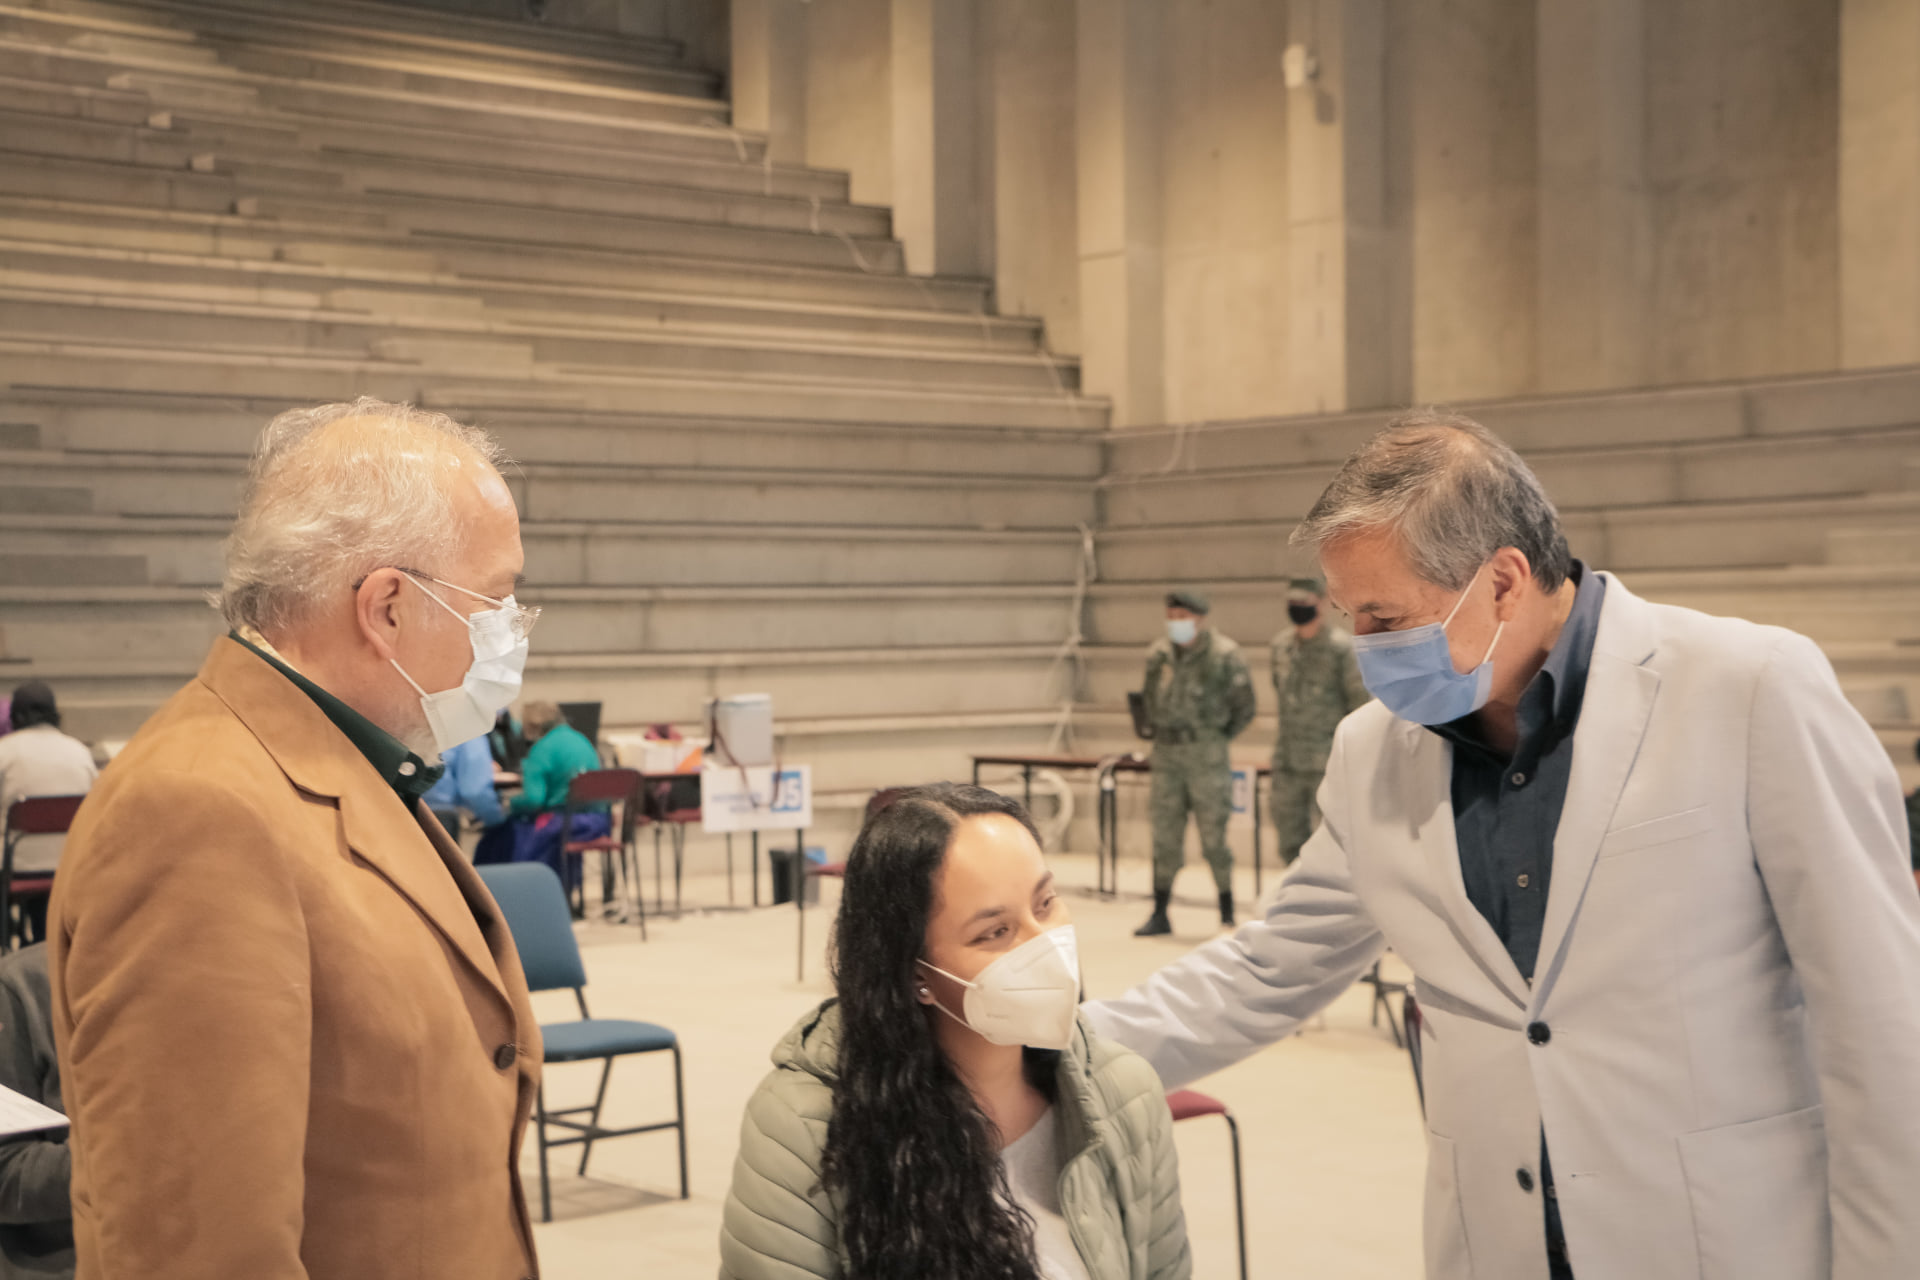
[850, 93]
[1223, 172]
[1027, 127]
[1461, 185]
[1526, 195]
[1743, 175]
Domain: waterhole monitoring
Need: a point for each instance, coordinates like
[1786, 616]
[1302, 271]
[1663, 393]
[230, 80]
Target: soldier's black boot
[1157, 924]
[1226, 908]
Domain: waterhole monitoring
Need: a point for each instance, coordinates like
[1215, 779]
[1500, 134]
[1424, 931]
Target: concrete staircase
[753, 453]
[1794, 502]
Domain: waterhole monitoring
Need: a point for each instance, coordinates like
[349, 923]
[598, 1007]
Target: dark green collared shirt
[399, 768]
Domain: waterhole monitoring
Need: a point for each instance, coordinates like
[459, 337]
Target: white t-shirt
[1033, 1175]
[41, 761]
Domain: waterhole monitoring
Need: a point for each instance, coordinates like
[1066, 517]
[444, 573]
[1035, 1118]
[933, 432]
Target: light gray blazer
[1730, 973]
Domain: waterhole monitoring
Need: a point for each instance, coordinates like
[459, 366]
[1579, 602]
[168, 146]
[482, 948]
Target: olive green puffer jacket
[1119, 1186]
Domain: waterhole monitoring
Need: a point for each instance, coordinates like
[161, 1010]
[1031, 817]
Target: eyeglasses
[520, 618]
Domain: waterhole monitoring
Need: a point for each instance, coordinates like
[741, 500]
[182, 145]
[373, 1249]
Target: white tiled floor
[1334, 1156]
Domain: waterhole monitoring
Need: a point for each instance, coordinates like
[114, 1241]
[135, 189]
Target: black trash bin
[781, 863]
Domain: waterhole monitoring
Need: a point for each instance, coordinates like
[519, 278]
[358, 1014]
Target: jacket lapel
[394, 843]
[1429, 793]
[1613, 720]
[318, 759]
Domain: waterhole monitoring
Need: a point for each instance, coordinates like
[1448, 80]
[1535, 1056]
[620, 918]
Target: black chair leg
[1239, 1195]
[546, 1186]
[679, 853]
[680, 1115]
[599, 1100]
[659, 886]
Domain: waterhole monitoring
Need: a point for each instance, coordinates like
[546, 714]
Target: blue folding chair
[535, 907]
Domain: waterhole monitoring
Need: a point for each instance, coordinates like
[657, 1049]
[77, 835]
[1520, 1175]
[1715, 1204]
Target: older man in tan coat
[294, 1034]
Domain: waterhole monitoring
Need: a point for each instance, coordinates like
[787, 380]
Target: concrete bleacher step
[487, 344]
[277, 157]
[1852, 402]
[850, 712]
[611, 61]
[298, 375]
[1831, 462]
[127, 551]
[231, 94]
[1834, 603]
[219, 233]
[241, 48]
[455, 28]
[1778, 532]
[183, 485]
[398, 23]
[294, 193]
[729, 167]
[1830, 603]
[96, 623]
[89, 423]
[94, 269]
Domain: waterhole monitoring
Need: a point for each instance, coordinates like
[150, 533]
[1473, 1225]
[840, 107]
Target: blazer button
[1525, 1178]
[505, 1056]
[1538, 1033]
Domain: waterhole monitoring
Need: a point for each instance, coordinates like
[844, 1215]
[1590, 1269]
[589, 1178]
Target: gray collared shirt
[1506, 810]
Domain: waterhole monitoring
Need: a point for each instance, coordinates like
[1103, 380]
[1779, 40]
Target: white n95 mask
[492, 682]
[1028, 996]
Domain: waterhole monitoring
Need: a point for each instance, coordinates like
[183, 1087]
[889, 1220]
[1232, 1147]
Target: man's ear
[377, 609]
[1511, 573]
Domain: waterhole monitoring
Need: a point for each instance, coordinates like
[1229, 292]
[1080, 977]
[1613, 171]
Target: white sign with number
[1244, 781]
[756, 799]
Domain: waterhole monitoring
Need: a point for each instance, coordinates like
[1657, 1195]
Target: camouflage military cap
[1189, 599]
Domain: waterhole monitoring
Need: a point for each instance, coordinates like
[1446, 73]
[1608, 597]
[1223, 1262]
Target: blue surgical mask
[1182, 630]
[1412, 674]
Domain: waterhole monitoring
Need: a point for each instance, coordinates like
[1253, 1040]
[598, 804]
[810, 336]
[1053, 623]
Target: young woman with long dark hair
[948, 1116]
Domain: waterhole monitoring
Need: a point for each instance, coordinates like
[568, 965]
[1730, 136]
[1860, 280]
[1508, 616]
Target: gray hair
[1453, 491]
[538, 717]
[314, 520]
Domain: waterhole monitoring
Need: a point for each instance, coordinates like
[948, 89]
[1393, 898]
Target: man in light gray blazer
[1649, 869]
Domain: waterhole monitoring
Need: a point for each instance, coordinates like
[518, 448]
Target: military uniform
[1317, 683]
[1198, 700]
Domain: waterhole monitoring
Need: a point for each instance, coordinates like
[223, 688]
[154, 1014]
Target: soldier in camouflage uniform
[1199, 698]
[1318, 683]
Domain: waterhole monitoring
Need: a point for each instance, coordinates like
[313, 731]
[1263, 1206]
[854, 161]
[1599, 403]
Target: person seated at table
[36, 759]
[36, 1211]
[559, 753]
[948, 1113]
[466, 786]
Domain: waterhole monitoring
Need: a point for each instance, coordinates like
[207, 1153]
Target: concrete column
[1879, 182]
[936, 206]
[1118, 166]
[768, 75]
[1596, 239]
[1343, 346]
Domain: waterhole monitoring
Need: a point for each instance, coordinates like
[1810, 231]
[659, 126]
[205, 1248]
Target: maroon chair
[610, 787]
[1186, 1104]
[32, 816]
[673, 803]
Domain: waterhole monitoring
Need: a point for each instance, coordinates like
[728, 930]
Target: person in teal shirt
[531, 833]
[559, 754]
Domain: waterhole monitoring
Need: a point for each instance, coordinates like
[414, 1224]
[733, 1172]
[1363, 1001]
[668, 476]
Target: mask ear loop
[1497, 631]
[437, 600]
[928, 992]
[444, 605]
